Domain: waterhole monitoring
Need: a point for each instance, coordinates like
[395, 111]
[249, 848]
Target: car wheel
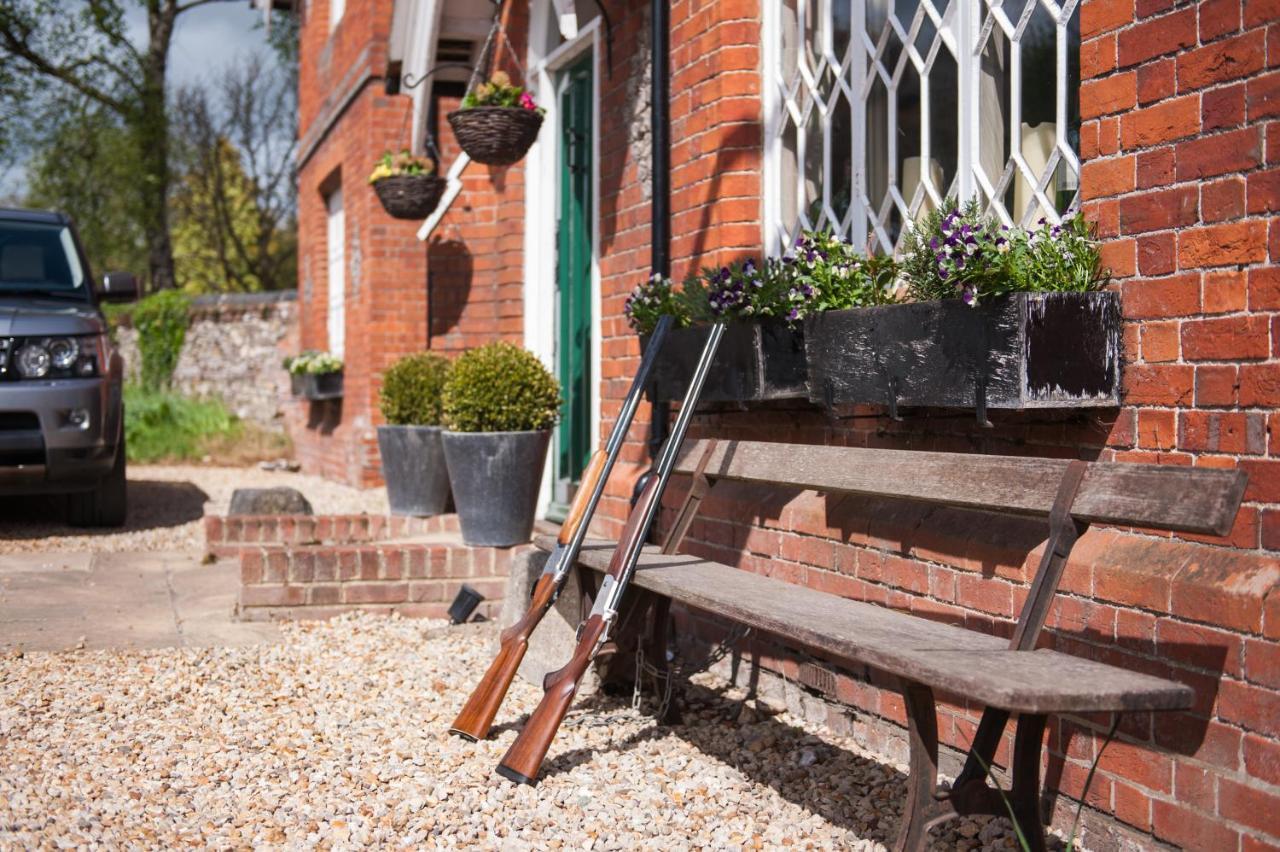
[105, 506]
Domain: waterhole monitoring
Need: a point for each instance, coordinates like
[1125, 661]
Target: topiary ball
[413, 390]
[500, 388]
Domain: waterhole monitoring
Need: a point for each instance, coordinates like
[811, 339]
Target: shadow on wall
[449, 273]
[324, 415]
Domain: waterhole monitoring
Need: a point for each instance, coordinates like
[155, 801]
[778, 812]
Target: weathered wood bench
[1005, 676]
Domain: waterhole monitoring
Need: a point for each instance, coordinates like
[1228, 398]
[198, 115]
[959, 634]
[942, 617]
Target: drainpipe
[660, 176]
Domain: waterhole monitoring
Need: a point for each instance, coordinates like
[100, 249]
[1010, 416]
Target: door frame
[542, 181]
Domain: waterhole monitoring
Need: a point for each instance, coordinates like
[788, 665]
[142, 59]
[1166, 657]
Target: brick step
[225, 535]
[412, 578]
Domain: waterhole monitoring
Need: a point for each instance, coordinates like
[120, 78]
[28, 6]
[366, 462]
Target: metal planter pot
[495, 478]
[413, 466]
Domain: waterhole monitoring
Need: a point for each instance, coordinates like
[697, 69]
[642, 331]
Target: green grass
[165, 426]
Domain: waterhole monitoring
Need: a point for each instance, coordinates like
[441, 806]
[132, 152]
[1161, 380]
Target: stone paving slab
[55, 601]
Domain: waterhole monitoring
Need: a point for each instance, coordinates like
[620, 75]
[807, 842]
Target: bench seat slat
[963, 662]
[1198, 500]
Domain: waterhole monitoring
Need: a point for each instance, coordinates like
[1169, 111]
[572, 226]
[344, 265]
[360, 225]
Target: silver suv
[61, 406]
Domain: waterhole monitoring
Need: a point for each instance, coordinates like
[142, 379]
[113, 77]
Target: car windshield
[39, 258]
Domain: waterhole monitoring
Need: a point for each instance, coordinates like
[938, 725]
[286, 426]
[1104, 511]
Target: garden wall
[233, 350]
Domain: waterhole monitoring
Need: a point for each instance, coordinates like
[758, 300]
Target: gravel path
[166, 504]
[336, 737]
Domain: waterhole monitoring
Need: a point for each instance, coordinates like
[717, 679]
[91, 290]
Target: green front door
[573, 274]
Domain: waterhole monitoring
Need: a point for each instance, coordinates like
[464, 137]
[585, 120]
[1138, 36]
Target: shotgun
[524, 758]
[476, 716]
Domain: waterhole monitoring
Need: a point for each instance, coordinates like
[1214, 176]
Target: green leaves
[500, 387]
[413, 390]
[161, 321]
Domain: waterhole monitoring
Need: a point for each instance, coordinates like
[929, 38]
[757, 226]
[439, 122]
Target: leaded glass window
[876, 110]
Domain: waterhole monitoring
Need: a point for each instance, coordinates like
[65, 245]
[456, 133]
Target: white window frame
[337, 9]
[964, 27]
[336, 277]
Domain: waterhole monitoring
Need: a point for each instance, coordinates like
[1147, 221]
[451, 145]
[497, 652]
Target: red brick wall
[474, 294]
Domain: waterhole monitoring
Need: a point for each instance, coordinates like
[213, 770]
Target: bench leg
[922, 810]
[1025, 795]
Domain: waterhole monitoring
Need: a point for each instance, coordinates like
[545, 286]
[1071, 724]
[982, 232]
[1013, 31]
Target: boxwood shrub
[413, 390]
[500, 388]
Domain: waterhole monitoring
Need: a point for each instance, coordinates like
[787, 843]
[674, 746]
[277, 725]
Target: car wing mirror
[119, 287]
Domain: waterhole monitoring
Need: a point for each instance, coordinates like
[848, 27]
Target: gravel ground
[336, 737]
[166, 505]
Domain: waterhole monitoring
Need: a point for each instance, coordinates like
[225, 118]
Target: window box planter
[756, 362]
[317, 386]
[1022, 351]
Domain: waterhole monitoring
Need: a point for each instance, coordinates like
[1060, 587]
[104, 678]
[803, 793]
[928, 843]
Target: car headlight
[60, 357]
[33, 361]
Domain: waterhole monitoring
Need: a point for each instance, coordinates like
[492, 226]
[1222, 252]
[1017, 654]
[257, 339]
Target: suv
[61, 404]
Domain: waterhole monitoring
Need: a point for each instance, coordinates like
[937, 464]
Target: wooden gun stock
[476, 716]
[582, 499]
[524, 759]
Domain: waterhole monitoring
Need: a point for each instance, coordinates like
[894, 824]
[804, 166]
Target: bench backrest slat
[1197, 500]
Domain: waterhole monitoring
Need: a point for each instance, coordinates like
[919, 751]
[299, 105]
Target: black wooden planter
[317, 386]
[756, 362]
[1026, 350]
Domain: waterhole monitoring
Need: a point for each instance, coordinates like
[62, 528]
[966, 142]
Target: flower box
[1021, 351]
[317, 386]
[756, 362]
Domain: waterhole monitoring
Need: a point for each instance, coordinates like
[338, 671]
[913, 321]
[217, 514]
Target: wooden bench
[1005, 676]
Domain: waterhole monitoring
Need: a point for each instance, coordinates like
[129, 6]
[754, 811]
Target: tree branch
[18, 46]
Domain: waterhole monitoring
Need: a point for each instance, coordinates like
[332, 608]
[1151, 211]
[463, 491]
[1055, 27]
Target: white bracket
[452, 188]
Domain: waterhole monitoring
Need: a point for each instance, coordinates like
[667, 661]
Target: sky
[206, 39]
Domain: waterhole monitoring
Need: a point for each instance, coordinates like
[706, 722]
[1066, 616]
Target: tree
[86, 49]
[235, 208]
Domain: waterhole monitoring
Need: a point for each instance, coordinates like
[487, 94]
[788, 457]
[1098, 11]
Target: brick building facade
[1179, 167]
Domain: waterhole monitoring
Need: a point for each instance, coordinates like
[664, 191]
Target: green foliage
[161, 320]
[961, 253]
[828, 274]
[658, 296]
[404, 163]
[499, 92]
[162, 425]
[413, 390]
[312, 362]
[500, 388]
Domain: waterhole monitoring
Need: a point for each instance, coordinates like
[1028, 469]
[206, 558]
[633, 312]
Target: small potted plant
[315, 375]
[497, 122]
[412, 454]
[1000, 317]
[500, 403]
[407, 186]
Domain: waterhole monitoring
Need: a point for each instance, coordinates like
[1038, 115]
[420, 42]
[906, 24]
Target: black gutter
[660, 177]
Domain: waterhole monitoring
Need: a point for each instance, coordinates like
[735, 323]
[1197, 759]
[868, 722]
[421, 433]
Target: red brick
[1160, 341]
[1191, 829]
[251, 596]
[1260, 384]
[1225, 291]
[1262, 758]
[1097, 57]
[1103, 178]
[1132, 806]
[1215, 385]
[1261, 12]
[1254, 708]
[1222, 199]
[1222, 108]
[1263, 96]
[1264, 192]
[252, 565]
[1271, 530]
[1120, 257]
[1221, 61]
[1157, 429]
[1195, 786]
[1218, 18]
[1158, 211]
[1157, 36]
[1264, 480]
[1109, 95]
[1222, 245]
[1160, 298]
[1226, 339]
[1262, 662]
[1100, 16]
[1138, 763]
[375, 593]
[1159, 384]
[1225, 153]
[1156, 81]
[1157, 253]
[1156, 168]
[1249, 806]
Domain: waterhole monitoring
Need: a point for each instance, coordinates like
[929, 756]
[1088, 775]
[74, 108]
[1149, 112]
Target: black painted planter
[317, 386]
[414, 468]
[756, 362]
[495, 478]
[1026, 350]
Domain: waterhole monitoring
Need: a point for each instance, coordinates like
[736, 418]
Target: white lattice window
[876, 110]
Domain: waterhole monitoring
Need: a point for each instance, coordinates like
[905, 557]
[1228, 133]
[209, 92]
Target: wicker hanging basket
[410, 196]
[495, 136]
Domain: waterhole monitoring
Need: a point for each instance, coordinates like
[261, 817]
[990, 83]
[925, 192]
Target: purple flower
[967, 296]
[795, 312]
[748, 266]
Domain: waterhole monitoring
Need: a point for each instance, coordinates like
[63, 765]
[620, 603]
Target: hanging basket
[410, 196]
[495, 136]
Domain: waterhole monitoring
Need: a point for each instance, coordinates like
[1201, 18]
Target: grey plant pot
[495, 478]
[413, 466]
